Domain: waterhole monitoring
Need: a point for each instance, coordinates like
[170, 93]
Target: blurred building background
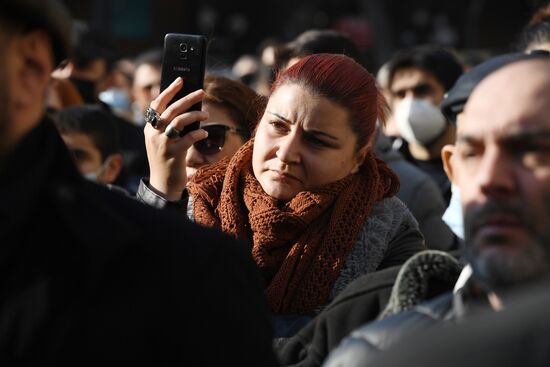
[379, 27]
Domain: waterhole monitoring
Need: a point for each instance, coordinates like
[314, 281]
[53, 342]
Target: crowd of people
[322, 215]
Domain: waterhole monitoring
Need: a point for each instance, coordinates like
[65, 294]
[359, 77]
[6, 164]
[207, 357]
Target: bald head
[518, 93]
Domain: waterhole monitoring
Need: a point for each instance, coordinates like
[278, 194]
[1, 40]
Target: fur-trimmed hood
[425, 275]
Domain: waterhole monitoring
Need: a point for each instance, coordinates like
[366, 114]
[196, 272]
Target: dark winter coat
[91, 277]
[379, 294]
[421, 195]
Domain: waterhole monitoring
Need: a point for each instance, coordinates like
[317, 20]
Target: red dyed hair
[341, 80]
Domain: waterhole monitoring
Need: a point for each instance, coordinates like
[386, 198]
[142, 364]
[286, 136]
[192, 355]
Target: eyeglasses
[216, 138]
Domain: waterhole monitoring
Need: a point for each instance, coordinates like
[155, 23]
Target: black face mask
[86, 89]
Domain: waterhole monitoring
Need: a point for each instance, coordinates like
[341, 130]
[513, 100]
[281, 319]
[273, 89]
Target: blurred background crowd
[118, 48]
[379, 27]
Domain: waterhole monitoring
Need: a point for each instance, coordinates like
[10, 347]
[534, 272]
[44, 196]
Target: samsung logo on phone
[182, 68]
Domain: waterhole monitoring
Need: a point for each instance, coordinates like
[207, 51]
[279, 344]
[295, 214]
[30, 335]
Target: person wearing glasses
[234, 110]
[307, 192]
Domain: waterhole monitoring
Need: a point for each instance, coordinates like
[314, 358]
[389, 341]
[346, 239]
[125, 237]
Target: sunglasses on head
[216, 138]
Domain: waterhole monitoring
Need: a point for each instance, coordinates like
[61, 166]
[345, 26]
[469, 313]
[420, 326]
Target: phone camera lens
[183, 47]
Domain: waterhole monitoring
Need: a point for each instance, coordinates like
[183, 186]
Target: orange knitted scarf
[302, 244]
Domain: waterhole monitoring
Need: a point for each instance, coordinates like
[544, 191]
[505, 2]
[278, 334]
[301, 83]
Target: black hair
[150, 57]
[91, 44]
[536, 31]
[52, 16]
[316, 41]
[438, 61]
[93, 121]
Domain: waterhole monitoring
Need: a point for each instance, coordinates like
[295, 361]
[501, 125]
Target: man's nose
[496, 175]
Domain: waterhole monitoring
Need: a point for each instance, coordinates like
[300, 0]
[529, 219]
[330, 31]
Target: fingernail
[178, 80]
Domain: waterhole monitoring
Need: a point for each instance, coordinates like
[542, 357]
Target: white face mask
[419, 121]
[92, 176]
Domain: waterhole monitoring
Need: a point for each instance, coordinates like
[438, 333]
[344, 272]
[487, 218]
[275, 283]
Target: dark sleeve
[354, 351]
[367, 342]
[360, 302]
[147, 196]
[516, 336]
[407, 242]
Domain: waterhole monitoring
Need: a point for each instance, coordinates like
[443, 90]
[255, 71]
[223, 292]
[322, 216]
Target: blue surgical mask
[117, 98]
[453, 214]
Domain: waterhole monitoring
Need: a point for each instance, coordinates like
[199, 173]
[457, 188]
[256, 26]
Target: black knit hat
[456, 97]
[50, 15]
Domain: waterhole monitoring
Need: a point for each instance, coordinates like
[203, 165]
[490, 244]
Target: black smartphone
[184, 56]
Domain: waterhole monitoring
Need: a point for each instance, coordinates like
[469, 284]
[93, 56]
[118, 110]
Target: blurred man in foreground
[90, 276]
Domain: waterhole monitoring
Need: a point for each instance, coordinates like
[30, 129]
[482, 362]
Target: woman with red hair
[307, 192]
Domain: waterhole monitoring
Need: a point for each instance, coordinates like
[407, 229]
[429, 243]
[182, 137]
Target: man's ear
[34, 63]
[113, 168]
[447, 157]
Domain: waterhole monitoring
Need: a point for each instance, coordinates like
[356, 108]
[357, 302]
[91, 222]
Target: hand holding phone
[184, 55]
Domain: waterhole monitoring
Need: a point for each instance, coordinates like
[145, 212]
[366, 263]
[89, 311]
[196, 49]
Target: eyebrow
[319, 132]
[516, 136]
[466, 139]
[310, 132]
[279, 117]
[531, 134]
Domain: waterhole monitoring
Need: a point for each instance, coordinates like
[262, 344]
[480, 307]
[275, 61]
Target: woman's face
[303, 141]
[233, 141]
